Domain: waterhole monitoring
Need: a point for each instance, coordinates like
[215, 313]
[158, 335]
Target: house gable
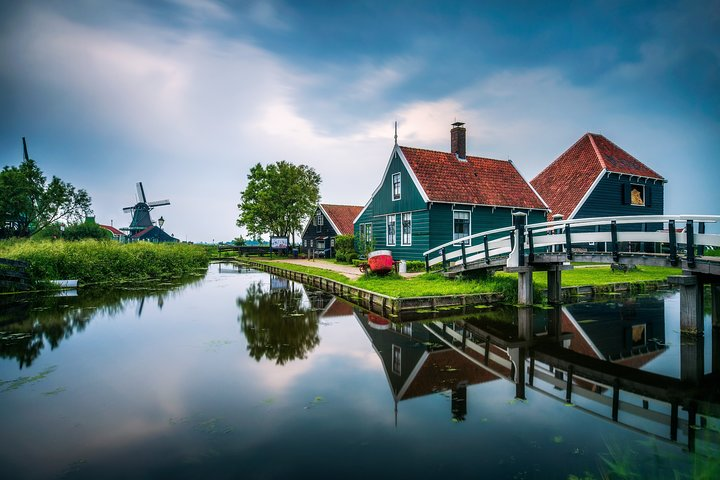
[570, 181]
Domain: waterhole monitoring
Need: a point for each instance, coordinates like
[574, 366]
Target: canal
[242, 374]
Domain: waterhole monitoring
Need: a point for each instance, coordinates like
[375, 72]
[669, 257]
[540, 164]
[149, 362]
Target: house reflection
[418, 362]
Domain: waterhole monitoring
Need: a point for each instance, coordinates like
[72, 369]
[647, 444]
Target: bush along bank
[92, 261]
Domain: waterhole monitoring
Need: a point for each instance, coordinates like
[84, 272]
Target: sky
[187, 95]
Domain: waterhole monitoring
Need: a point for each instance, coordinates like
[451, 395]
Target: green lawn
[602, 275]
[506, 283]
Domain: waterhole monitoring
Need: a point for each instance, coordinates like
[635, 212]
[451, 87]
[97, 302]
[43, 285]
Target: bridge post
[554, 281]
[692, 356]
[464, 258]
[427, 264]
[715, 298]
[556, 218]
[673, 242]
[691, 303]
[517, 256]
[690, 247]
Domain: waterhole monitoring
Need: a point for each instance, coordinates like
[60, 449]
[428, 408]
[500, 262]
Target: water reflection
[591, 356]
[280, 322]
[29, 323]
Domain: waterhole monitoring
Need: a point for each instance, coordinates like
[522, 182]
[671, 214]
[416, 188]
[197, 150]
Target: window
[637, 194]
[365, 234]
[305, 243]
[396, 186]
[390, 230]
[461, 225]
[396, 360]
[407, 228]
[311, 243]
[319, 221]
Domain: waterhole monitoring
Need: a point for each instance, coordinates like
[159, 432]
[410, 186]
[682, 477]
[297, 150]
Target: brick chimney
[457, 139]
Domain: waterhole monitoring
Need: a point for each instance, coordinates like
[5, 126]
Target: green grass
[433, 284]
[92, 261]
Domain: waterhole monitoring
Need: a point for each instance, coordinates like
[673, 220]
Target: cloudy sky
[187, 95]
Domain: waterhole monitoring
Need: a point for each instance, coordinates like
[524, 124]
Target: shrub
[345, 248]
[93, 261]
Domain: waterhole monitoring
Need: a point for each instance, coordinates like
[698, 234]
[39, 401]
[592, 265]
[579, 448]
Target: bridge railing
[559, 235]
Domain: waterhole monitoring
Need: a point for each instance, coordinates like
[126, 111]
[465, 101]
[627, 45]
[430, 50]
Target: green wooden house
[426, 198]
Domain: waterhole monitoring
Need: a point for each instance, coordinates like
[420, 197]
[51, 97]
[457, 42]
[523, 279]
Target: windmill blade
[141, 193]
[159, 203]
[25, 153]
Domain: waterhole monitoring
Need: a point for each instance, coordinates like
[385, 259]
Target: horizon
[185, 96]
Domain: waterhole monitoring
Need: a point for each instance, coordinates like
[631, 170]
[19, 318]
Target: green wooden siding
[410, 198]
[482, 219]
[606, 199]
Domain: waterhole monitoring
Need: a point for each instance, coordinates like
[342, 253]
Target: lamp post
[161, 221]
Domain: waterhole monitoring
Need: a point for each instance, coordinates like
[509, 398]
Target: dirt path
[350, 271]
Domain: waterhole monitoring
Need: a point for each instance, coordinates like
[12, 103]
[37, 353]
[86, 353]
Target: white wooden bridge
[656, 240]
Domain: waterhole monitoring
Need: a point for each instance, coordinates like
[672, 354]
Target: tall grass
[92, 261]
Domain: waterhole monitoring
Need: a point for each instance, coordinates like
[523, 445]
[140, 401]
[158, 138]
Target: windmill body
[142, 224]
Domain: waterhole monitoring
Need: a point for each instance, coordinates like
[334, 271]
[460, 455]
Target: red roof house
[326, 223]
[426, 198]
[596, 178]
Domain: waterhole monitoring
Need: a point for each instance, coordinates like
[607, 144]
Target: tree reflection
[276, 324]
[29, 323]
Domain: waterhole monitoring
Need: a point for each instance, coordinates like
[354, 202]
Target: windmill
[141, 211]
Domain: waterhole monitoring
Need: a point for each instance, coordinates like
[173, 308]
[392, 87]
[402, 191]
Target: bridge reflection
[605, 360]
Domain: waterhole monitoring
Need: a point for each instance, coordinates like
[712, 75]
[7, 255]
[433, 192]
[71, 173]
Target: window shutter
[625, 193]
[648, 195]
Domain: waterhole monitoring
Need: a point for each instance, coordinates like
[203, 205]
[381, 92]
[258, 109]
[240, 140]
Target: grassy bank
[92, 261]
[506, 283]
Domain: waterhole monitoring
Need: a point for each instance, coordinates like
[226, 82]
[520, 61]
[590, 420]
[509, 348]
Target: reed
[92, 261]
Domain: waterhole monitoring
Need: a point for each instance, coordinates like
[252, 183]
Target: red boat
[377, 322]
[380, 261]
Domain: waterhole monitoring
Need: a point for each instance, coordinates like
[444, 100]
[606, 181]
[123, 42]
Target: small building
[427, 198]
[117, 235]
[328, 221]
[152, 234]
[596, 178]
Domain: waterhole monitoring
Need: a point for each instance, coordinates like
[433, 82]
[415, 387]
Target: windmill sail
[141, 219]
[25, 152]
[141, 193]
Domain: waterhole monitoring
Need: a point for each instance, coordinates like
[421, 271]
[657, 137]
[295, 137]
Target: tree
[278, 199]
[29, 204]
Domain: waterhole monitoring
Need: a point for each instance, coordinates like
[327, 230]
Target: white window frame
[644, 193]
[469, 212]
[402, 230]
[396, 360]
[390, 241]
[399, 184]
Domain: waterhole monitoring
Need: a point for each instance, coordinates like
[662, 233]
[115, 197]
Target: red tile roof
[564, 183]
[111, 229]
[342, 216]
[475, 180]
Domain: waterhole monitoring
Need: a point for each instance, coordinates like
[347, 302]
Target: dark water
[247, 375]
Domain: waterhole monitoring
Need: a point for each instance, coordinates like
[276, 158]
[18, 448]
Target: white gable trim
[410, 171]
[531, 188]
[587, 194]
[332, 224]
[361, 213]
[405, 163]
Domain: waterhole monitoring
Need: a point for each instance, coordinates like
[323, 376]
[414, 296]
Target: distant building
[116, 234]
[328, 221]
[152, 234]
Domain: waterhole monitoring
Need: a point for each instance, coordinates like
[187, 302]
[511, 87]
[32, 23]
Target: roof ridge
[450, 153]
[559, 157]
[597, 151]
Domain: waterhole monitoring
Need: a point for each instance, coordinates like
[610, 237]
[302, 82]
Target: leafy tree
[276, 324]
[29, 203]
[278, 199]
